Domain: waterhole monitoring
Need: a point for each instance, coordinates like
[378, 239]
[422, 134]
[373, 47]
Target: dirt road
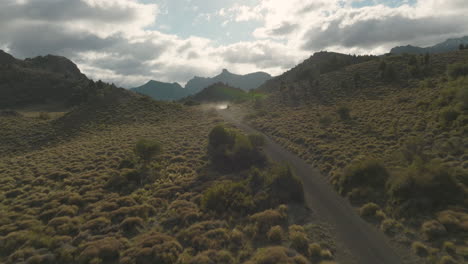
[365, 243]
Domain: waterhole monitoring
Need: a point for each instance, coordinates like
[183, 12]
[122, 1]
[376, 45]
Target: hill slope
[162, 91]
[220, 92]
[121, 178]
[244, 82]
[40, 80]
[446, 46]
[391, 140]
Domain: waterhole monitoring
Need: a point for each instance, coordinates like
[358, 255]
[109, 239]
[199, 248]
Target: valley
[342, 159]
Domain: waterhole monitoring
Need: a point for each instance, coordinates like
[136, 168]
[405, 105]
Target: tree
[147, 149]
[461, 47]
[427, 58]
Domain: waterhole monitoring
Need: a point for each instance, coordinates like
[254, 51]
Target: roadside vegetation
[141, 181]
[394, 144]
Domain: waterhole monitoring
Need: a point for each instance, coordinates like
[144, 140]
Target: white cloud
[116, 40]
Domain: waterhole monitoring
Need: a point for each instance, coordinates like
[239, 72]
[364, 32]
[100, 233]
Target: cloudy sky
[131, 41]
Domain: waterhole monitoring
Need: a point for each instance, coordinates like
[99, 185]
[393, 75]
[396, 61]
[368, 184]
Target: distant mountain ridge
[219, 92]
[161, 90]
[245, 82]
[451, 44]
[173, 91]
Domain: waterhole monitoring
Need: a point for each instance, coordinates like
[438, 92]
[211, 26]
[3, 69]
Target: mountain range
[451, 44]
[174, 91]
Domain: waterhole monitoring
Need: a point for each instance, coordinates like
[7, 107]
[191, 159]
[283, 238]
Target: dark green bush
[154, 247]
[105, 250]
[228, 196]
[213, 256]
[286, 186]
[426, 185]
[364, 173]
[344, 112]
[232, 150]
[457, 70]
[147, 149]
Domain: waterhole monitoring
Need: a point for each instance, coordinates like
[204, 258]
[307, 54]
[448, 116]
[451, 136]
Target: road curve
[365, 243]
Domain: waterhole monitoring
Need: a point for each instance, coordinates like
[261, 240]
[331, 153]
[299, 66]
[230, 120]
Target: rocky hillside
[40, 80]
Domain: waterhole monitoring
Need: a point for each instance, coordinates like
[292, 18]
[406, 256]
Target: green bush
[106, 250]
[448, 260]
[369, 210]
[275, 234]
[420, 249]
[365, 173]
[299, 241]
[457, 70]
[147, 149]
[426, 185]
[276, 254]
[325, 121]
[286, 186]
[344, 113]
[265, 220]
[213, 256]
[232, 150]
[433, 229]
[228, 196]
[154, 247]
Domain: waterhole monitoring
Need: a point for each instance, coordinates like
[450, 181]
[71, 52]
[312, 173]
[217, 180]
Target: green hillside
[220, 92]
[391, 136]
[121, 178]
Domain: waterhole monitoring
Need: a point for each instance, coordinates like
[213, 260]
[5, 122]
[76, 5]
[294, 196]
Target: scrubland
[391, 135]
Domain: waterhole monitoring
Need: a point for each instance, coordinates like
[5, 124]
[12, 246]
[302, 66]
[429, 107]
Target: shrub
[365, 173]
[212, 257]
[433, 229]
[96, 225]
[228, 196]
[181, 213]
[426, 181]
[344, 113]
[449, 247]
[147, 149]
[299, 241]
[448, 115]
[276, 254]
[286, 186]
[325, 121]
[232, 150]
[275, 234]
[44, 116]
[220, 136]
[390, 226]
[453, 221]
[420, 249]
[131, 224]
[154, 247]
[106, 250]
[205, 235]
[267, 219]
[369, 210]
[457, 70]
[447, 260]
[315, 251]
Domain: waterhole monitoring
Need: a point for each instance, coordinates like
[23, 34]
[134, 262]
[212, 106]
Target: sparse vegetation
[405, 138]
